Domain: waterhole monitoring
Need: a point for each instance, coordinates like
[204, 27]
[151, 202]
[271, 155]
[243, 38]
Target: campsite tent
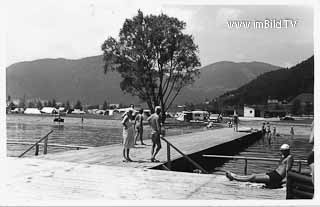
[49, 110]
[32, 111]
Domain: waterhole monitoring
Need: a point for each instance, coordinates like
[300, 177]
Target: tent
[32, 111]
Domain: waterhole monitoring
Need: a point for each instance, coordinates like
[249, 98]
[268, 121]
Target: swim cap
[284, 147]
[157, 108]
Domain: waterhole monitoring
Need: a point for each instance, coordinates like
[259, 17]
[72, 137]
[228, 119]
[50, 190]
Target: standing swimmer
[292, 132]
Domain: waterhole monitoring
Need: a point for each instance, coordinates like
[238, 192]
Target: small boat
[58, 119]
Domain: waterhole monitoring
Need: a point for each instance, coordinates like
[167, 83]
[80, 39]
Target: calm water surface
[93, 132]
[100, 132]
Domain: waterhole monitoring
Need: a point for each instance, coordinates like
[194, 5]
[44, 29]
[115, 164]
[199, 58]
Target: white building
[248, 112]
[32, 111]
[49, 110]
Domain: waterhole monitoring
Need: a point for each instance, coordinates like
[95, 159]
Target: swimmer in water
[273, 178]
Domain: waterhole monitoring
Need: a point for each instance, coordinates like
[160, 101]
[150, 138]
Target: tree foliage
[154, 57]
[78, 105]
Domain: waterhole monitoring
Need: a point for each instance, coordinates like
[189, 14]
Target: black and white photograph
[140, 101]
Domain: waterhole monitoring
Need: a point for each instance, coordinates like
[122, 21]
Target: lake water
[93, 132]
[300, 148]
[100, 132]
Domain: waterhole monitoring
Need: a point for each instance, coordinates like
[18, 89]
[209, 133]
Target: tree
[39, 105]
[154, 57]
[296, 107]
[31, 104]
[67, 106]
[105, 105]
[54, 103]
[78, 105]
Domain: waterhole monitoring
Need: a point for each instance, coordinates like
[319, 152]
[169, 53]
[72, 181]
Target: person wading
[154, 121]
[273, 178]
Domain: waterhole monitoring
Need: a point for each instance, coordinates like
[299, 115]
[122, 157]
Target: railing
[36, 145]
[168, 167]
[253, 158]
[78, 147]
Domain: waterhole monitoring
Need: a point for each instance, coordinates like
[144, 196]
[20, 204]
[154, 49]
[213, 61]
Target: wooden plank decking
[112, 154]
[99, 174]
[39, 180]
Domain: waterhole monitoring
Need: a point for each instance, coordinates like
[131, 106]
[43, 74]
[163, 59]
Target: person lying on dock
[274, 178]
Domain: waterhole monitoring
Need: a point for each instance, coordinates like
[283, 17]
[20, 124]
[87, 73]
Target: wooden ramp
[112, 154]
[35, 180]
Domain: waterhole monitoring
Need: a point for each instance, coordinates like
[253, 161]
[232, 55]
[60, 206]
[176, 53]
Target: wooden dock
[99, 174]
[112, 154]
[30, 179]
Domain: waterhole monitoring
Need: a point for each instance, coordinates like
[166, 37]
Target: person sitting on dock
[272, 179]
[154, 121]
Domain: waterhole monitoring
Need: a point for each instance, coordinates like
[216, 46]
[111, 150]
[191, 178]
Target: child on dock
[273, 178]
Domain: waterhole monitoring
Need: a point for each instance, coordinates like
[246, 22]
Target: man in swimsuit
[138, 126]
[273, 178]
[154, 121]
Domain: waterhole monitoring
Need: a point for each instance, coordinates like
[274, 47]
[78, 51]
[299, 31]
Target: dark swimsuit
[275, 178]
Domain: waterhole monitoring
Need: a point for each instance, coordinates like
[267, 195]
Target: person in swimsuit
[154, 121]
[235, 122]
[273, 178]
[138, 126]
[292, 132]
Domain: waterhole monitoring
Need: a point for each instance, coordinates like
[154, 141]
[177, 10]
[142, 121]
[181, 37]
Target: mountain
[283, 84]
[84, 80]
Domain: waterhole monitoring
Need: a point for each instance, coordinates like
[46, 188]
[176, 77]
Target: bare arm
[289, 163]
[124, 121]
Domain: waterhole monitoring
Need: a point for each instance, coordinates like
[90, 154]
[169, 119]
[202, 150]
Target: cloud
[225, 14]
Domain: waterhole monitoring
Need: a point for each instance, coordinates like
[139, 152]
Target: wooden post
[168, 156]
[45, 146]
[245, 166]
[299, 166]
[37, 150]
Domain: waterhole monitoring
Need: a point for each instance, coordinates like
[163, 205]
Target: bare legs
[255, 178]
[125, 154]
[139, 134]
[154, 153]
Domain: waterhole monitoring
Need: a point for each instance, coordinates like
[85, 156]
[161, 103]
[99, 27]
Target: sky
[75, 29]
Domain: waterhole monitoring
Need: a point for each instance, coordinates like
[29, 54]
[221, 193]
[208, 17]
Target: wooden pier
[99, 173]
[112, 154]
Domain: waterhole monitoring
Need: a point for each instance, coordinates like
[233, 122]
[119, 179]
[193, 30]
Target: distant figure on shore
[138, 126]
[274, 132]
[269, 133]
[154, 121]
[272, 179]
[128, 135]
[263, 128]
[230, 124]
[235, 122]
[292, 132]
